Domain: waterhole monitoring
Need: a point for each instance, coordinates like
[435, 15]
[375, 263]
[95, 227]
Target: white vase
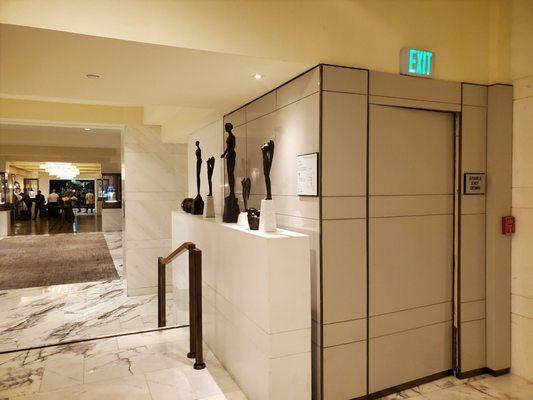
[209, 211]
[267, 219]
[243, 219]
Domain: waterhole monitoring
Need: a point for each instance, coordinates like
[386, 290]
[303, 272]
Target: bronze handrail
[177, 252]
[195, 298]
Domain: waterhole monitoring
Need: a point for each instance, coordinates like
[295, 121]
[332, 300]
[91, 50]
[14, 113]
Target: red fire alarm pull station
[508, 225]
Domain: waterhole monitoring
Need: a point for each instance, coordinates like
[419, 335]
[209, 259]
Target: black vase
[186, 205]
[253, 219]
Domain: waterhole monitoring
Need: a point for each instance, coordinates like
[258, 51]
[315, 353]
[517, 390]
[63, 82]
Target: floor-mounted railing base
[195, 300]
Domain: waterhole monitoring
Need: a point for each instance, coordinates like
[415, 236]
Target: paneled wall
[498, 246]
[522, 249]
[389, 192]
[415, 201]
[344, 141]
[472, 230]
[290, 116]
[155, 182]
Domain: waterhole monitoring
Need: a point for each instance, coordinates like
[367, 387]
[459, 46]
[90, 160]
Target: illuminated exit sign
[416, 62]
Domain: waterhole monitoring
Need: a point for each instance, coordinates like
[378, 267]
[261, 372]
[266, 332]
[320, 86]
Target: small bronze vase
[253, 218]
[186, 205]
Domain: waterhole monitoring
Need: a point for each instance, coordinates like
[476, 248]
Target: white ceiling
[39, 63]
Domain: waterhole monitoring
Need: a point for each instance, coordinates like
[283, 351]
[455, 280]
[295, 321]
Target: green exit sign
[417, 62]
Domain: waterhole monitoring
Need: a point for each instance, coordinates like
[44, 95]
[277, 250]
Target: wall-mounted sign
[307, 174]
[474, 183]
[416, 62]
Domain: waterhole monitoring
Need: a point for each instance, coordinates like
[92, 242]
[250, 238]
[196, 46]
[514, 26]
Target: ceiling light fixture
[61, 170]
[258, 77]
[87, 129]
[92, 76]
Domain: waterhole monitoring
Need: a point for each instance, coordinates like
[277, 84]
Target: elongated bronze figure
[230, 155]
[246, 186]
[210, 168]
[198, 166]
[231, 205]
[198, 203]
[268, 156]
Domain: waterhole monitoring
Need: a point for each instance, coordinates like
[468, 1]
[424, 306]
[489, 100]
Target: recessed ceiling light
[92, 76]
[87, 129]
[258, 77]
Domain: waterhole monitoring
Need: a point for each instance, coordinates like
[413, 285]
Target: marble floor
[482, 387]
[146, 366]
[153, 366]
[54, 314]
[83, 223]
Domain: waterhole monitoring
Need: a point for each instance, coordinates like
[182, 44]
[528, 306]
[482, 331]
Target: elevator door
[411, 181]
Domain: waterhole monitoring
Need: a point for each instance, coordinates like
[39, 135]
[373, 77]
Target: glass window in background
[110, 190]
[3, 191]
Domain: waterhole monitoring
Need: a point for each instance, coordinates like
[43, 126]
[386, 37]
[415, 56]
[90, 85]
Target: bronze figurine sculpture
[209, 204]
[267, 220]
[198, 203]
[268, 155]
[246, 186]
[231, 205]
[210, 168]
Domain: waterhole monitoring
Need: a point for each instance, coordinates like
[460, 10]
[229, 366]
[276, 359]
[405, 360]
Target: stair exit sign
[417, 62]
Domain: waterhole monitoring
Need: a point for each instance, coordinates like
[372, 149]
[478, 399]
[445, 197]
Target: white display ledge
[256, 300]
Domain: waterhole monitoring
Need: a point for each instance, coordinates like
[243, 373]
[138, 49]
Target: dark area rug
[31, 261]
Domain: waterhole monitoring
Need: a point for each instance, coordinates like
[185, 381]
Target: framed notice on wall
[474, 183]
[307, 174]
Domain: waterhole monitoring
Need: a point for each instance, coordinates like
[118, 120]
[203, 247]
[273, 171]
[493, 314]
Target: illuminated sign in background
[416, 62]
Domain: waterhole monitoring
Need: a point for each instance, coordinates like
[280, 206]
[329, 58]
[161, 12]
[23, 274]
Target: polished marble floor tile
[101, 369]
[84, 222]
[154, 366]
[54, 314]
[482, 387]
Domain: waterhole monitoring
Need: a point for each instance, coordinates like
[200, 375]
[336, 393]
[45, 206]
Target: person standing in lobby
[28, 203]
[79, 200]
[39, 204]
[89, 201]
[52, 204]
[74, 201]
[68, 213]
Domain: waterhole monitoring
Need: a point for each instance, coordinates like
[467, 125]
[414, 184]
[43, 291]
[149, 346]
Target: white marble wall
[256, 315]
[522, 251]
[5, 223]
[112, 219]
[155, 182]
